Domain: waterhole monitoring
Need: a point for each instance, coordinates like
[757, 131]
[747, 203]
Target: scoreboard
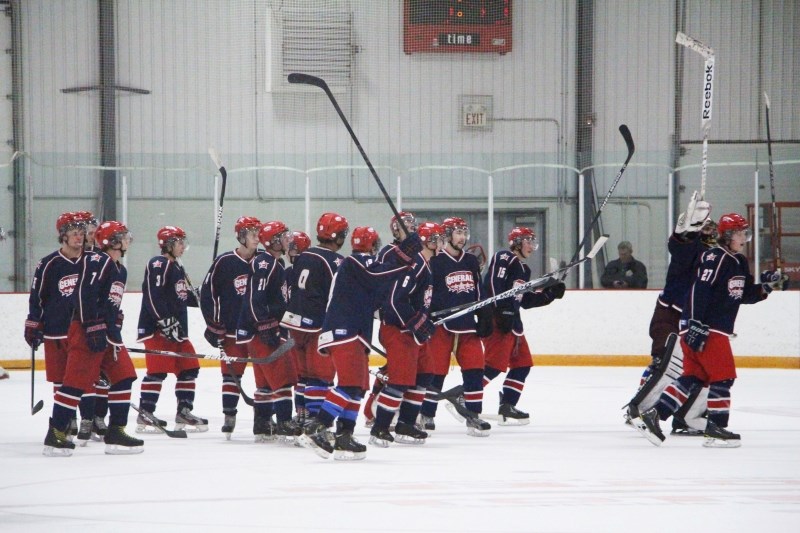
[457, 26]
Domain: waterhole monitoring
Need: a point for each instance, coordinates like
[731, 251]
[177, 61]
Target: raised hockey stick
[307, 79]
[224, 174]
[774, 230]
[282, 350]
[35, 408]
[708, 92]
[626, 136]
[541, 282]
[177, 434]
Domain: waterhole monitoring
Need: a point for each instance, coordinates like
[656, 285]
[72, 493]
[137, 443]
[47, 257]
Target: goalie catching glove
[774, 280]
[170, 328]
[695, 215]
[696, 335]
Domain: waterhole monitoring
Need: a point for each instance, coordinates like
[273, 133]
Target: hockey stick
[774, 232]
[452, 395]
[626, 136]
[282, 350]
[35, 408]
[307, 79]
[541, 282]
[247, 399]
[224, 174]
[177, 434]
[708, 92]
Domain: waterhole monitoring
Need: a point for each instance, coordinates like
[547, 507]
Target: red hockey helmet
[731, 223]
[519, 234]
[365, 239]
[430, 232]
[87, 217]
[408, 219]
[67, 221]
[271, 233]
[110, 233]
[455, 223]
[300, 242]
[169, 234]
[331, 227]
[244, 224]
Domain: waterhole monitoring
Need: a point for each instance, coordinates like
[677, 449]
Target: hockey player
[722, 283]
[300, 243]
[457, 280]
[49, 306]
[164, 325]
[312, 275]
[94, 404]
[221, 299]
[410, 222]
[94, 344]
[260, 331]
[405, 327]
[347, 335]
[694, 233]
[506, 348]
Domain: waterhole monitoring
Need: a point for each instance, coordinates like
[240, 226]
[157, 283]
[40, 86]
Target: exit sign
[476, 113]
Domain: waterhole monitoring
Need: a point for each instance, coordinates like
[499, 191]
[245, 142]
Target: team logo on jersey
[116, 292]
[157, 263]
[67, 284]
[182, 289]
[460, 281]
[736, 287]
[710, 256]
[240, 284]
[426, 300]
[95, 257]
[518, 282]
[263, 264]
[505, 257]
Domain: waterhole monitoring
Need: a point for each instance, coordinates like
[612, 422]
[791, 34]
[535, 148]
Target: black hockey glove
[120, 318]
[696, 335]
[215, 334]
[557, 291]
[408, 248]
[170, 328]
[269, 332]
[505, 319]
[774, 280]
[483, 317]
[34, 333]
[421, 327]
[95, 335]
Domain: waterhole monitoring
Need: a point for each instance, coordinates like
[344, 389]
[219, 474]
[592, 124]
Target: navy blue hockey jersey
[352, 306]
[456, 281]
[684, 258]
[101, 285]
[409, 294]
[722, 283]
[223, 290]
[266, 296]
[165, 293]
[313, 274]
[54, 281]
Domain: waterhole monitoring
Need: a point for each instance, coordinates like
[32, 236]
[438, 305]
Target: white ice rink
[576, 467]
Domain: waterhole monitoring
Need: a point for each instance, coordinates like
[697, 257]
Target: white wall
[597, 322]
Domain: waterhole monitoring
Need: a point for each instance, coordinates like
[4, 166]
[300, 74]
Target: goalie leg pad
[668, 369]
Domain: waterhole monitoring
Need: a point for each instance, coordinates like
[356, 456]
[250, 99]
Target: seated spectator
[625, 272]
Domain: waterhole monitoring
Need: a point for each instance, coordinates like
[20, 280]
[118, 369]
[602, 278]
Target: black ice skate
[648, 425]
[380, 437]
[717, 437]
[57, 443]
[264, 429]
[228, 425]
[426, 423]
[346, 448]
[409, 434]
[287, 431]
[120, 443]
[187, 420]
[99, 429]
[681, 428]
[476, 427]
[84, 432]
[317, 438]
[145, 423]
[511, 416]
